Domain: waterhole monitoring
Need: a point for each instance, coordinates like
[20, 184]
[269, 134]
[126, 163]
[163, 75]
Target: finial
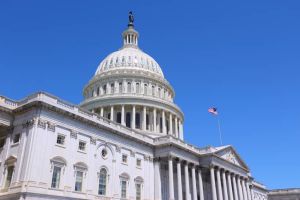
[131, 19]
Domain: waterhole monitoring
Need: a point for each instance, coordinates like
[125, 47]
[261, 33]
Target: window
[120, 88]
[112, 88]
[16, 138]
[128, 119]
[153, 90]
[104, 89]
[145, 89]
[138, 162]
[138, 191]
[124, 158]
[147, 122]
[128, 87]
[108, 115]
[78, 182]
[81, 146]
[9, 175]
[123, 189]
[137, 120]
[137, 88]
[102, 182]
[104, 153]
[60, 139]
[119, 117]
[2, 142]
[56, 177]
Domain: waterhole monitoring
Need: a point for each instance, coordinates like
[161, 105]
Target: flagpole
[219, 127]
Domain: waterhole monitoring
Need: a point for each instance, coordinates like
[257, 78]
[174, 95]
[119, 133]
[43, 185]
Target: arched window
[128, 119]
[120, 87]
[112, 88]
[104, 89]
[102, 182]
[128, 87]
[145, 89]
[137, 88]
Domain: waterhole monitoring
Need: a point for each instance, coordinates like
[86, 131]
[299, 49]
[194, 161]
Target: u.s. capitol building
[124, 141]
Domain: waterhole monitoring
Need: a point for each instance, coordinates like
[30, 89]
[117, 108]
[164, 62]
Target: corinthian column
[224, 185]
[179, 182]
[229, 186]
[154, 120]
[112, 113]
[194, 183]
[164, 122]
[171, 180]
[213, 183]
[235, 192]
[240, 188]
[157, 185]
[133, 117]
[244, 190]
[220, 196]
[200, 185]
[187, 182]
[123, 115]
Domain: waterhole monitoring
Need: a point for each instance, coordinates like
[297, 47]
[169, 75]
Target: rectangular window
[124, 158]
[138, 191]
[138, 162]
[56, 177]
[16, 138]
[123, 189]
[9, 175]
[60, 139]
[78, 183]
[2, 142]
[81, 146]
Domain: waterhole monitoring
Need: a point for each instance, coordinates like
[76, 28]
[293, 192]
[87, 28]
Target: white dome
[129, 57]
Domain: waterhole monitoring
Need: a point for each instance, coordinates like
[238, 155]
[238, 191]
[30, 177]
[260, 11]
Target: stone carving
[93, 140]
[73, 134]
[28, 123]
[42, 123]
[51, 126]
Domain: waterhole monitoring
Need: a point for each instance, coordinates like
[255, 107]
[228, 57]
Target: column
[220, 195]
[157, 180]
[248, 190]
[101, 111]
[244, 189]
[112, 113]
[170, 125]
[235, 192]
[229, 186]
[180, 130]
[240, 188]
[154, 120]
[171, 180]
[187, 182]
[144, 118]
[224, 185]
[133, 117]
[123, 115]
[213, 184]
[176, 127]
[200, 185]
[194, 183]
[179, 182]
[164, 122]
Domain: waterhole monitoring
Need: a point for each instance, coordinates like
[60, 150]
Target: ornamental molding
[73, 134]
[51, 126]
[93, 140]
[28, 123]
[42, 123]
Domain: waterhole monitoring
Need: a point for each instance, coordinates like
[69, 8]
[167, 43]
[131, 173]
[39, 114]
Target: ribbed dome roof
[129, 57]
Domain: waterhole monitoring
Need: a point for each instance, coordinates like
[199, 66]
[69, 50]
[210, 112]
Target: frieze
[93, 140]
[28, 123]
[42, 123]
[73, 134]
[51, 126]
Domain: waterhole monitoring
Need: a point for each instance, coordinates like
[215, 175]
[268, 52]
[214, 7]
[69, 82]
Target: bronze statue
[131, 19]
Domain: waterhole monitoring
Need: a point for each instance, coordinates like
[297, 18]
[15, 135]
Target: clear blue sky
[242, 57]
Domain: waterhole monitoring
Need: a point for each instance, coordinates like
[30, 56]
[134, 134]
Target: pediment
[230, 155]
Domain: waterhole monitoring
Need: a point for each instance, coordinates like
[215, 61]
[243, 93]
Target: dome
[130, 58]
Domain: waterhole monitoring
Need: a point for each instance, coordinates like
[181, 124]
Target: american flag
[213, 111]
